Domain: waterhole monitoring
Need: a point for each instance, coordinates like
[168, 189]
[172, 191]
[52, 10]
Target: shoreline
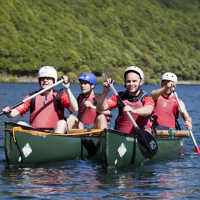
[30, 79]
[188, 83]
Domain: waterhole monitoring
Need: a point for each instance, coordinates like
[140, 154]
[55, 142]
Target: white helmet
[169, 76]
[48, 71]
[134, 69]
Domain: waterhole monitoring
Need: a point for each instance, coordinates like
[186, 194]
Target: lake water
[81, 179]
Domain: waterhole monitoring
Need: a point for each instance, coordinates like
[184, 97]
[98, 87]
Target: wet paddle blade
[90, 146]
[147, 143]
[197, 150]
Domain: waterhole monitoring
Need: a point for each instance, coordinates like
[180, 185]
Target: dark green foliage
[99, 35]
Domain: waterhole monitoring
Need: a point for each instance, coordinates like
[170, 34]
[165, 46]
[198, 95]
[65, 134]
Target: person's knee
[101, 122]
[71, 117]
[101, 118]
[72, 122]
[61, 127]
[61, 123]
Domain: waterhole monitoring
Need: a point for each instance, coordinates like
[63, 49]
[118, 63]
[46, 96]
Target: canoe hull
[111, 148]
[30, 148]
[119, 150]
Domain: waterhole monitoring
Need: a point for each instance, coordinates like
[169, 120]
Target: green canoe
[30, 146]
[108, 147]
[119, 149]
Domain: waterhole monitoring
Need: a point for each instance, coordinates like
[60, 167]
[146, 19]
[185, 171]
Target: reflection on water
[70, 180]
[83, 179]
[174, 179]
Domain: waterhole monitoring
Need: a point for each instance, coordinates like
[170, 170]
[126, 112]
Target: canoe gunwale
[157, 137]
[92, 132]
[33, 131]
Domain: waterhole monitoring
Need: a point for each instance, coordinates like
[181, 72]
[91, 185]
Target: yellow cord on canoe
[74, 132]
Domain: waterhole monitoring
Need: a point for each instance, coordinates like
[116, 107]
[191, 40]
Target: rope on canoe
[13, 134]
[76, 133]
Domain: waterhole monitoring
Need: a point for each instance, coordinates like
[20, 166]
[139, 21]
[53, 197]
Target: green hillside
[100, 35]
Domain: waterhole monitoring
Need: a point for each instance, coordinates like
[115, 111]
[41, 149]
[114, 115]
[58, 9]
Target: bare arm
[72, 100]
[143, 111]
[166, 86]
[156, 93]
[101, 103]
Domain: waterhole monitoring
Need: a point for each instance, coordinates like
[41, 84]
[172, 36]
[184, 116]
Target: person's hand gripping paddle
[34, 95]
[147, 143]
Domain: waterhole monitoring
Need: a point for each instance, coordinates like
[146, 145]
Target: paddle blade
[90, 146]
[147, 143]
[197, 150]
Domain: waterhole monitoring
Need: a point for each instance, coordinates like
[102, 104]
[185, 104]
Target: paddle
[147, 143]
[193, 139]
[34, 95]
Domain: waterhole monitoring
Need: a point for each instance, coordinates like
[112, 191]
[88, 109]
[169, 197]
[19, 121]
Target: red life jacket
[123, 122]
[165, 112]
[46, 113]
[86, 115]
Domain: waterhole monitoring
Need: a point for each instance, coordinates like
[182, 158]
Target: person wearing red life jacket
[166, 110]
[135, 100]
[47, 109]
[88, 117]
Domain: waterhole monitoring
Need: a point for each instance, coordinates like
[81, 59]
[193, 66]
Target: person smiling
[88, 116]
[47, 109]
[135, 101]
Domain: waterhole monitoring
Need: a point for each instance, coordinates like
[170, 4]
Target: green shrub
[95, 35]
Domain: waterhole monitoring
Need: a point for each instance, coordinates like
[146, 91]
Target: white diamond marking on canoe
[27, 150]
[122, 150]
[19, 159]
[116, 162]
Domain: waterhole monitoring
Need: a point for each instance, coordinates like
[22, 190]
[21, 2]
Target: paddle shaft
[193, 138]
[128, 113]
[147, 144]
[34, 95]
